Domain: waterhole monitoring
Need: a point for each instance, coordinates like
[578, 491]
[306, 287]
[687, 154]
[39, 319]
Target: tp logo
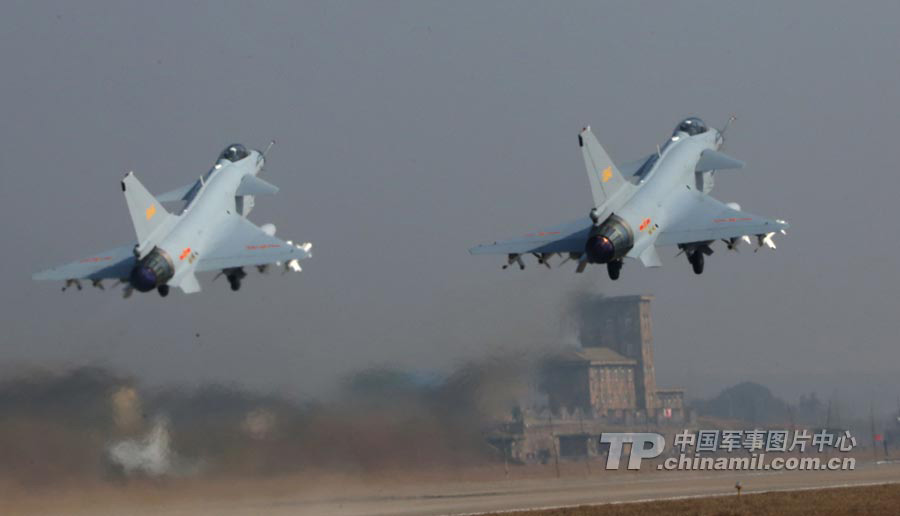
[643, 446]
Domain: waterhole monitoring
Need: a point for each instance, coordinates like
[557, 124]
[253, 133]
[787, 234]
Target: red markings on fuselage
[96, 259]
[732, 219]
[263, 246]
[542, 233]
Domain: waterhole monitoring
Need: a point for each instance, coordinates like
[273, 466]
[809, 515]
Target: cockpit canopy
[234, 152]
[692, 126]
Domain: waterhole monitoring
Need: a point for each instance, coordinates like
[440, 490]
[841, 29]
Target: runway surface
[492, 496]
[616, 487]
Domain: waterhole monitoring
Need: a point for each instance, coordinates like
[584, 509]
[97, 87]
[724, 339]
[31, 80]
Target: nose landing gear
[613, 268]
[163, 290]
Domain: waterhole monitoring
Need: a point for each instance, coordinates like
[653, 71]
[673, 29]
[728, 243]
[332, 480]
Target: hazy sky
[408, 132]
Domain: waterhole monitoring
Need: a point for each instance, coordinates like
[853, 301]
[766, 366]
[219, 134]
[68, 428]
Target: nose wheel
[613, 268]
[163, 290]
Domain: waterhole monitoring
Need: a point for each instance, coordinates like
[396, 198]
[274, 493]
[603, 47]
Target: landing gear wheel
[163, 290]
[234, 276]
[697, 262]
[613, 269]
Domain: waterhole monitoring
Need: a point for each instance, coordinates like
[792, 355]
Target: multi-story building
[607, 383]
[612, 375]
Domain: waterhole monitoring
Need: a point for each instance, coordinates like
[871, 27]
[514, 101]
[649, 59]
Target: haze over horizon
[410, 131]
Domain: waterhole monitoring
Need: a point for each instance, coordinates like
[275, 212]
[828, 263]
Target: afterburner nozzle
[600, 249]
[610, 241]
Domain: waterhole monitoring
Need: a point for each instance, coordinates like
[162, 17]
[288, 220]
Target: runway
[471, 498]
[616, 487]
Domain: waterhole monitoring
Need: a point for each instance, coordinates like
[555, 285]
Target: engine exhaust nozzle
[609, 241]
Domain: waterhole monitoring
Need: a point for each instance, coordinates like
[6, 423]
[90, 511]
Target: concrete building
[612, 374]
[595, 382]
[608, 383]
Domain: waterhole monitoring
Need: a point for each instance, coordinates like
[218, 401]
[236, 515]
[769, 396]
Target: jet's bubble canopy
[234, 152]
[692, 126]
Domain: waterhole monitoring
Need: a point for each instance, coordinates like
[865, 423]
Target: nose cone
[143, 279]
[600, 249]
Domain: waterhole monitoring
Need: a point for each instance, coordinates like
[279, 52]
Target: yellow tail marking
[151, 211]
[607, 174]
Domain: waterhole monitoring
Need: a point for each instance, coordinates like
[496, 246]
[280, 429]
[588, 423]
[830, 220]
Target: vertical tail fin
[605, 179]
[147, 214]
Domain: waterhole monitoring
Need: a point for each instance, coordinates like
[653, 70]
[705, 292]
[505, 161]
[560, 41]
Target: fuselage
[665, 183]
[168, 258]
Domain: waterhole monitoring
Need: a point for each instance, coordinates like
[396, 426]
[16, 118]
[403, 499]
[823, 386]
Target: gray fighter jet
[209, 232]
[660, 200]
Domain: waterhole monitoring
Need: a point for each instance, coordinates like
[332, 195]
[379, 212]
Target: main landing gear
[695, 252]
[234, 277]
[696, 259]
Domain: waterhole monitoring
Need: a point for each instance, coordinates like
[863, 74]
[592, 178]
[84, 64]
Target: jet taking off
[660, 200]
[210, 232]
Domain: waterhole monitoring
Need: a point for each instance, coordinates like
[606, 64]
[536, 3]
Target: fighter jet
[660, 200]
[209, 232]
